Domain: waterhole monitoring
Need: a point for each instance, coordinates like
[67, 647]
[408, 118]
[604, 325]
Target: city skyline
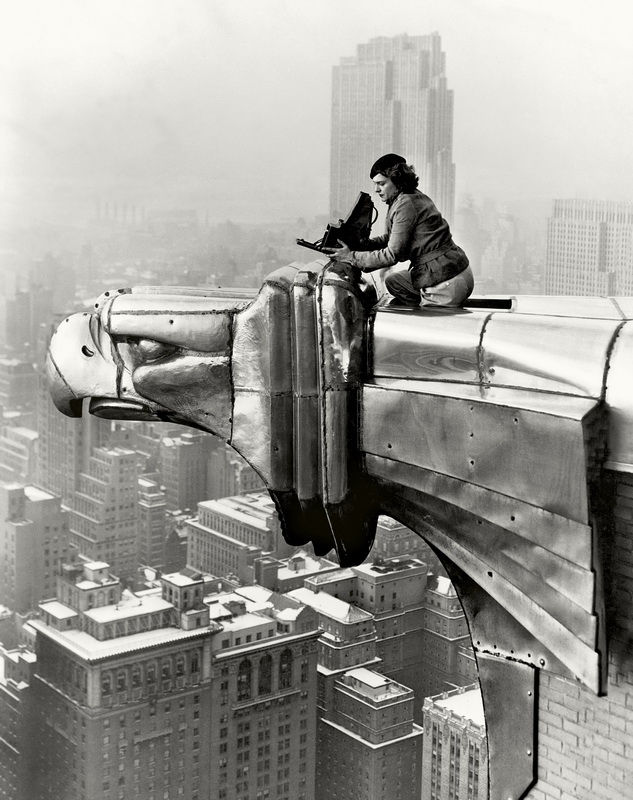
[226, 107]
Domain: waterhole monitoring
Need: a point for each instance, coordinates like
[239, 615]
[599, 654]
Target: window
[265, 675]
[106, 685]
[285, 669]
[244, 680]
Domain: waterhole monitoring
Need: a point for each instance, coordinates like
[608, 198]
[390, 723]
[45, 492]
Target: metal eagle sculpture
[491, 430]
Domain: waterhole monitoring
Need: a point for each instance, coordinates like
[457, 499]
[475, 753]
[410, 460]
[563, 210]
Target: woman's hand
[341, 253]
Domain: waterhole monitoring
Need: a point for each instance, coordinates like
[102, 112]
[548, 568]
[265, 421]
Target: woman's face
[385, 187]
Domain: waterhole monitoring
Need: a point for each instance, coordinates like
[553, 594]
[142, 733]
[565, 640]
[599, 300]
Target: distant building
[230, 475]
[369, 747]
[229, 534]
[104, 510]
[18, 384]
[445, 633]
[16, 724]
[184, 469]
[392, 96]
[65, 444]
[18, 454]
[394, 540]
[455, 761]
[283, 575]
[34, 540]
[147, 696]
[152, 523]
[590, 248]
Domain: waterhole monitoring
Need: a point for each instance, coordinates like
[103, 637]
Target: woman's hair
[403, 177]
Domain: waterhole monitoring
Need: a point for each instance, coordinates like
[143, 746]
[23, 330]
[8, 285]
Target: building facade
[590, 248]
[143, 695]
[369, 747]
[104, 510]
[455, 759]
[392, 96]
[34, 540]
[152, 523]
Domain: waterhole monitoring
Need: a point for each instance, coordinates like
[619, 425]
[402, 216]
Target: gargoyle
[490, 430]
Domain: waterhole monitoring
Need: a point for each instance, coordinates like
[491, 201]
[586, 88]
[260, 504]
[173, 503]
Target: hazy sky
[225, 104]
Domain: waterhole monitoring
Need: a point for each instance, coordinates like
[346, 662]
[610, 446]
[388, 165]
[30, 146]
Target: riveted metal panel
[582, 660]
[260, 434]
[510, 706]
[537, 457]
[262, 343]
[564, 537]
[341, 327]
[619, 400]
[439, 345]
[305, 377]
[193, 323]
[547, 353]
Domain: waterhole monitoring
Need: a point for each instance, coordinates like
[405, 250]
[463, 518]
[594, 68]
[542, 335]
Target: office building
[18, 384]
[392, 96]
[18, 454]
[393, 540]
[104, 510]
[184, 469]
[445, 634]
[34, 539]
[229, 534]
[590, 248]
[65, 444]
[283, 575]
[152, 523]
[230, 475]
[16, 725]
[455, 758]
[170, 694]
[368, 745]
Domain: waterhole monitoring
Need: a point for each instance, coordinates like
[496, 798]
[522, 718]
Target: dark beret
[386, 162]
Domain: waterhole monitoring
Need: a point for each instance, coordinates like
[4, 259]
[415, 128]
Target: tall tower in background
[392, 97]
[590, 248]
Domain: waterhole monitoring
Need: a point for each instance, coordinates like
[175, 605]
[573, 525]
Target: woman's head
[395, 170]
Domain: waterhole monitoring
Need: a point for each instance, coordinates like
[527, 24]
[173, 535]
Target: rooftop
[90, 649]
[465, 703]
[128, 606]
[330, 606]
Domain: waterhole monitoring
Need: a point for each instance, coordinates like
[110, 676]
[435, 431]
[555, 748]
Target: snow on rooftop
[178, 579]
[130, 606]
[254, 593]
[35, 494]
[95, 565]
[445, 587]
[468, 705]
[368, 676]
[58, 610]
[330, 606]
[91, 649]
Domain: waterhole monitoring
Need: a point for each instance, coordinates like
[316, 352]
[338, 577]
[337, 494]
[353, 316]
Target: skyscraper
[392, 96]
[590, 248]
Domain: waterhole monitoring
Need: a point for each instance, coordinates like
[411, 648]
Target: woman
[438, 273]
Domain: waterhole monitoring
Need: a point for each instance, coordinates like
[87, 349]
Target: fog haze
[225, 106]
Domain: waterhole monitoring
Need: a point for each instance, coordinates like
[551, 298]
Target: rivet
[512, 517]
[542, 662]
[107, 294]
[388, 446]
[491, 370]
[529, 752]
[471, 461]
[171, 322]
[530, 693]
[490, 574]
[471, 434]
